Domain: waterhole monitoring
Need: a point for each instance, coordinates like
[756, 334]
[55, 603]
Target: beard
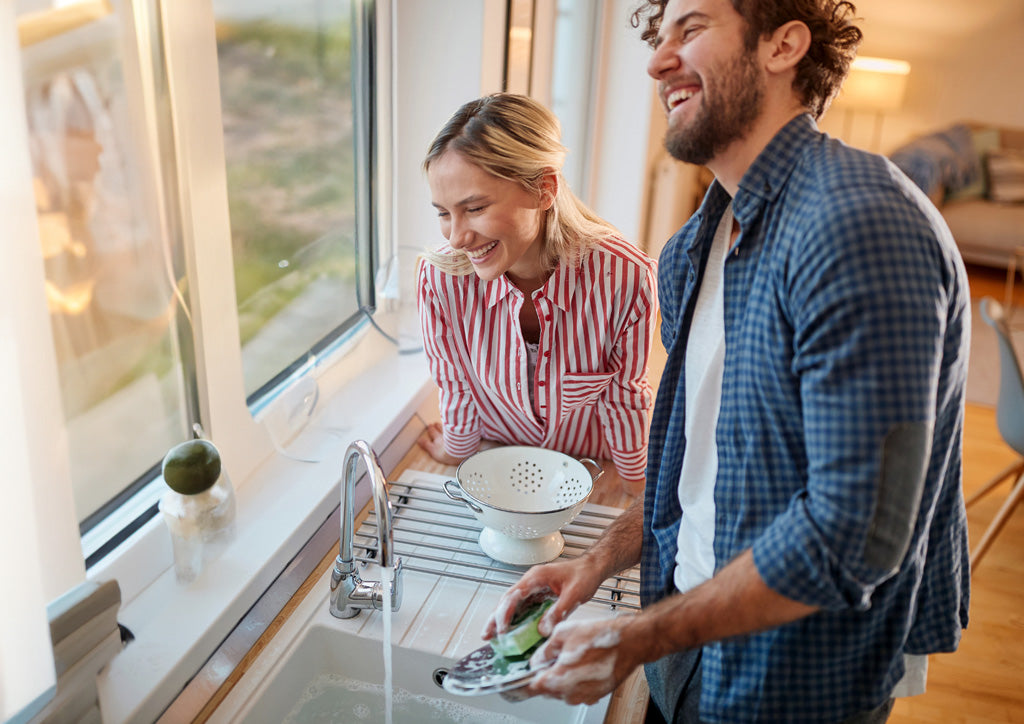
[725, 115]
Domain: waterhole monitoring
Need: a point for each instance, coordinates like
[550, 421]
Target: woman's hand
[432, 440]
[633, 488]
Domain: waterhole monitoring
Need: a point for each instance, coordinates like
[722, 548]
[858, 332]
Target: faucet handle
[396, 587]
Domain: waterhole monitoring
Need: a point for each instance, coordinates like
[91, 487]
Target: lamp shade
[874, 84]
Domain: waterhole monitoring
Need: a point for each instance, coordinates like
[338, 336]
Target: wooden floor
[984, 680]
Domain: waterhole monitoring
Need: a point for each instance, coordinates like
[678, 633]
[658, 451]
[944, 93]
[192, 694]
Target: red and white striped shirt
[592, 396]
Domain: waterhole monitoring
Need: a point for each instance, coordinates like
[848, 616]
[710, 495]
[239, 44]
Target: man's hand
[573, 581]
[432, 440]
[591, 659]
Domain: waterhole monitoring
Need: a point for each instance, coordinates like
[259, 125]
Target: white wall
[624, 105]
[23, 312]
[40, 556]
[445, 55]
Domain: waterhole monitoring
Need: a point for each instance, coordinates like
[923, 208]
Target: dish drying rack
[437, 536]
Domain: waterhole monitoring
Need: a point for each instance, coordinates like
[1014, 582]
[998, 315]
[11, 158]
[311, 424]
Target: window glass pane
[571, 83]
[108, 263]
[285, 77]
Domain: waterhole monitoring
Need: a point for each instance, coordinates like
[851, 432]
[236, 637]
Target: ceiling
[933, 28]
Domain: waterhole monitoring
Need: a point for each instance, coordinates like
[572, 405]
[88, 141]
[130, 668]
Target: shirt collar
[769, 171]
[497, 289]
[765, 178]
[558, 288]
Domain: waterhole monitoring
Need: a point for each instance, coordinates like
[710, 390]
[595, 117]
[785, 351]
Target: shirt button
[540, 384]
[692, 275]
[518, 386]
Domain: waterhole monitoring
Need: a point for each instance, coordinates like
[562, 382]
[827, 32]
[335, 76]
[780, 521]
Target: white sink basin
[335, 676]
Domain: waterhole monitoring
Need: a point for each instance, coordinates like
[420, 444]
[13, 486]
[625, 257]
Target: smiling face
[709, 82]
[496, 223]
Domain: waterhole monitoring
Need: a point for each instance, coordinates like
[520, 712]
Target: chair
[1010, 421]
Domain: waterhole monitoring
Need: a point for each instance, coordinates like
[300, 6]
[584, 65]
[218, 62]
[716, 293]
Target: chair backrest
[1010, 406]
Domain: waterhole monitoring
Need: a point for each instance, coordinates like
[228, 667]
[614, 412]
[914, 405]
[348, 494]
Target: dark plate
[484, 672]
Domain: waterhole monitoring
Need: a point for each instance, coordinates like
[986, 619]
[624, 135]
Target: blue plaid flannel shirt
[847, 314]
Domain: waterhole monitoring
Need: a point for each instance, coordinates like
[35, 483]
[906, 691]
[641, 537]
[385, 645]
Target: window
[286, 80]
[110, 275]
[573, 83]
[130, 196]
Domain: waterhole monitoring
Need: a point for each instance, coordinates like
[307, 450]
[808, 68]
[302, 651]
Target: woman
[537, 316]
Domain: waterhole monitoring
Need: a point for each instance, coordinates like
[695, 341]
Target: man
[803, 537]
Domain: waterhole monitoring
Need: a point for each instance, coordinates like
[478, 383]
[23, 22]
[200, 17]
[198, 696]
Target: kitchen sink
[334, 676]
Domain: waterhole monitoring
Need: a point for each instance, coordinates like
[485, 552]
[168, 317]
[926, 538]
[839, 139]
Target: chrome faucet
[349, 592]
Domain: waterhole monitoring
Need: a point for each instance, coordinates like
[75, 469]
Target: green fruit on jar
[191, 467]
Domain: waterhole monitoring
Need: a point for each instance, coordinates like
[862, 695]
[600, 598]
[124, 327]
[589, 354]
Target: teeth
[477, 253]
[678, 96]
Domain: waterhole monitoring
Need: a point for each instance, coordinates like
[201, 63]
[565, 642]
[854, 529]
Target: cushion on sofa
[983, 140]
[941, 163]
[1005, 175]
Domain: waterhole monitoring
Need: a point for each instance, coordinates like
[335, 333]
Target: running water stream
[387, 577]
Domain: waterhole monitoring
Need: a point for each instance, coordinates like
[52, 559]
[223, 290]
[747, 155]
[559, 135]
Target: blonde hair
[516, 138]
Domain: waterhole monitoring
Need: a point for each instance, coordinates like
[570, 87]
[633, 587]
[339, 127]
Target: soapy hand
[573, 582]
[591, 659]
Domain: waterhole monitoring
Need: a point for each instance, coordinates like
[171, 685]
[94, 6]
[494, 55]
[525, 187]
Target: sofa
[974, 173]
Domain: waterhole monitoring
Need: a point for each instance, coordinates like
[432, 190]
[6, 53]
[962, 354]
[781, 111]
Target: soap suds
[566, 673]
[602, 672]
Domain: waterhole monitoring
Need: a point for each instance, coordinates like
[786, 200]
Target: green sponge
[523, 635]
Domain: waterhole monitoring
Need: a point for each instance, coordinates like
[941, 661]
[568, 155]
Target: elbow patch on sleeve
[905, 453]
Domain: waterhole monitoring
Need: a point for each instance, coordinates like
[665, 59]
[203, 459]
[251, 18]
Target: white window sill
[176, 626]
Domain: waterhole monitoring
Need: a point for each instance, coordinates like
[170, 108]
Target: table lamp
[875, 85]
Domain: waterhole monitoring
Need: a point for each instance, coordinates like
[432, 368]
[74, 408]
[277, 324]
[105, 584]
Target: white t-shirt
[704, 365]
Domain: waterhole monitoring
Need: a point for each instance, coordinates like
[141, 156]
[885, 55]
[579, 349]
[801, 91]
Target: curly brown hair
[834, 39]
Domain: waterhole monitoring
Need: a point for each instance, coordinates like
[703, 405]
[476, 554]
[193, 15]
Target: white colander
[523, 496]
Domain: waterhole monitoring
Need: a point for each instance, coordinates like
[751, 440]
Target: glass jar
[201, 526]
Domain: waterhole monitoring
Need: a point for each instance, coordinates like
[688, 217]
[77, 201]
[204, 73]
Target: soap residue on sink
[333, 699]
